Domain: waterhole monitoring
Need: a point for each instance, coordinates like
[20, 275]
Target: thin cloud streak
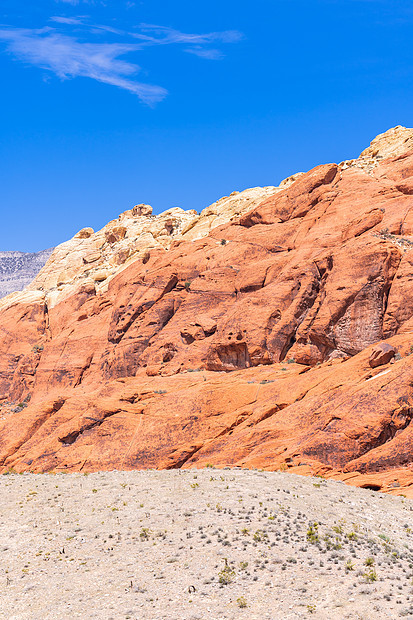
[69, 21]
[211, 54]
[80, 21]
[170, 35]
[75, 2]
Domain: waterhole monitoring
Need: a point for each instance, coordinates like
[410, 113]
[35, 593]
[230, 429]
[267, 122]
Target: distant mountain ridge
[17, 269]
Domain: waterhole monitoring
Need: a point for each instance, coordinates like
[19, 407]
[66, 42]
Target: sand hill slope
[201, 545]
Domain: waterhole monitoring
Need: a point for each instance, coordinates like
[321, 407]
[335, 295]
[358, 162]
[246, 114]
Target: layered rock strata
[273, 331]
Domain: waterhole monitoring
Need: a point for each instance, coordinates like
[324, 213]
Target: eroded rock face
[241, 336]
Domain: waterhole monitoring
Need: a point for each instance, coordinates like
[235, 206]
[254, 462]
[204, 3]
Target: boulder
[142, 210]
[381, 354]
[85, 233]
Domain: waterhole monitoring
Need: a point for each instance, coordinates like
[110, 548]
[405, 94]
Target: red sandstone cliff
[277, 336]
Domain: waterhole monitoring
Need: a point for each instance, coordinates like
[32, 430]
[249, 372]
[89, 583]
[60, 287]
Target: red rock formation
[250, 347]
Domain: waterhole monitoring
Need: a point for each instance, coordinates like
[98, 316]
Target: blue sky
[106, 104]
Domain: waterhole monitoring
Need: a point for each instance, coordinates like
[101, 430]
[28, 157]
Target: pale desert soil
[155, 545]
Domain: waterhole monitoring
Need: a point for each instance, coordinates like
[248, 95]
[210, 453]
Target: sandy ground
[206, 544]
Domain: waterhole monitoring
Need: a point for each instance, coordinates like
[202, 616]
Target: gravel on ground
[207, 544]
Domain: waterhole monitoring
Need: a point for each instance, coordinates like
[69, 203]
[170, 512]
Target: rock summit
[273, 330]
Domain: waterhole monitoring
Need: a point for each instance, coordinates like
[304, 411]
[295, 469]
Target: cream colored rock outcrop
[98, 256]
[95, 257]
[391, 143]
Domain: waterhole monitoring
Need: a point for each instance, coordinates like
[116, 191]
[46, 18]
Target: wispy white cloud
[170, 35]
[70, 21]
[82, 21]
[151, 34]
[76, 2]
[69, 58]
[210, 54]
